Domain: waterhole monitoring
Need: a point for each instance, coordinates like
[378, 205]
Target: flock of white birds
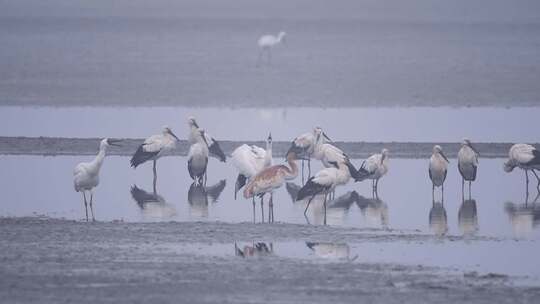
[258, 176]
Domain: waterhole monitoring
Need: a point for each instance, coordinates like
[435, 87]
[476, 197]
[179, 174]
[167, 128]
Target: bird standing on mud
[153, 148]
[525, 157]
[86, 175]
[270, 179]
[467, 163]
[438, 168]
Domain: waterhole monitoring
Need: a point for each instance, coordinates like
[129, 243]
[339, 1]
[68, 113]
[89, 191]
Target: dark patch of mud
[87, 146]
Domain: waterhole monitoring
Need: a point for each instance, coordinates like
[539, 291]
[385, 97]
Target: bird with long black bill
[153, 148]
[214, 148]
[198, 158]
[525, 157]
[323, 183]
[375, 167]
[467, 163]
[86, 175]
[438, 168]
[304, 146]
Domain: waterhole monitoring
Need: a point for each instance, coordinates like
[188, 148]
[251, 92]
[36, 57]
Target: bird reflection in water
[255, 250]
[438, 221]
[333, 251]
[152, 204]
[374, 211]
[523, 217]
[337, 208]
[468, 217]
[199, 196]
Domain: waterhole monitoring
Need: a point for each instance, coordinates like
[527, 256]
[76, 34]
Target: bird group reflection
[258, 249]
[335, 251]
[523, 217]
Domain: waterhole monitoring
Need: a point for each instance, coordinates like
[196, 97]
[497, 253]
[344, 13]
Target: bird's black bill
[113, 142]
[326, 136]
[173, 135]
[445, 158]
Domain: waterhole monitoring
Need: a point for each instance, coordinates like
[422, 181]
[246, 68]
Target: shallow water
[43, 186]
[415, 124]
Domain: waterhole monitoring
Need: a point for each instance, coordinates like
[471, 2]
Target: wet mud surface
[55, 261]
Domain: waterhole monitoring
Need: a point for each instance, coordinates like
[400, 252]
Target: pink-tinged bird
[270, 179]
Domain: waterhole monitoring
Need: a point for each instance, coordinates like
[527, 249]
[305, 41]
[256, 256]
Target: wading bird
[153, 148]
[525, 157]
[438, 167]
[213, 145]
[250, 160]
[267, 42]
[270, 179]
[467, 163]
[198, 158]
[86, 175]
[374, 168]
[324, 182]
[304, 145]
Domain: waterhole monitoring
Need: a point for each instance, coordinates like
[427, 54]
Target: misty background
[203, 53]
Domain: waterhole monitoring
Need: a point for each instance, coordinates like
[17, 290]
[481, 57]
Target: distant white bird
[213, 145]
[269, 179]
[267, 42]
[86, 175]
[438, 167]
[198, 158]
[374, 168]
[304, 145]
[153, 148]
[324, 182]
[467, 163]
[525, 157]
[250, 160]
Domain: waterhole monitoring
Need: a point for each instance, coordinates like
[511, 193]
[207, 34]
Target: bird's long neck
[98, 161]
[293, 172]
[268, 155]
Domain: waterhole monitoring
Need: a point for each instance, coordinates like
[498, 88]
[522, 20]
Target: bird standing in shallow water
[467, 163]
[153, 148]
[213, 145]
[525, 157]
[374, 168]
[250, 160]
[270, 179]
[438, 168]
[86, 175]
[198, 159]
[266, 43]
[304, 146]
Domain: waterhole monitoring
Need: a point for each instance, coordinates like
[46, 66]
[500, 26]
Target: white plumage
[267, 42]
[250, 160]
[86, 175]
[438, 168]
[198, 158]
[213, 145]
[525, 157]
[467, 162]
[375, 167]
